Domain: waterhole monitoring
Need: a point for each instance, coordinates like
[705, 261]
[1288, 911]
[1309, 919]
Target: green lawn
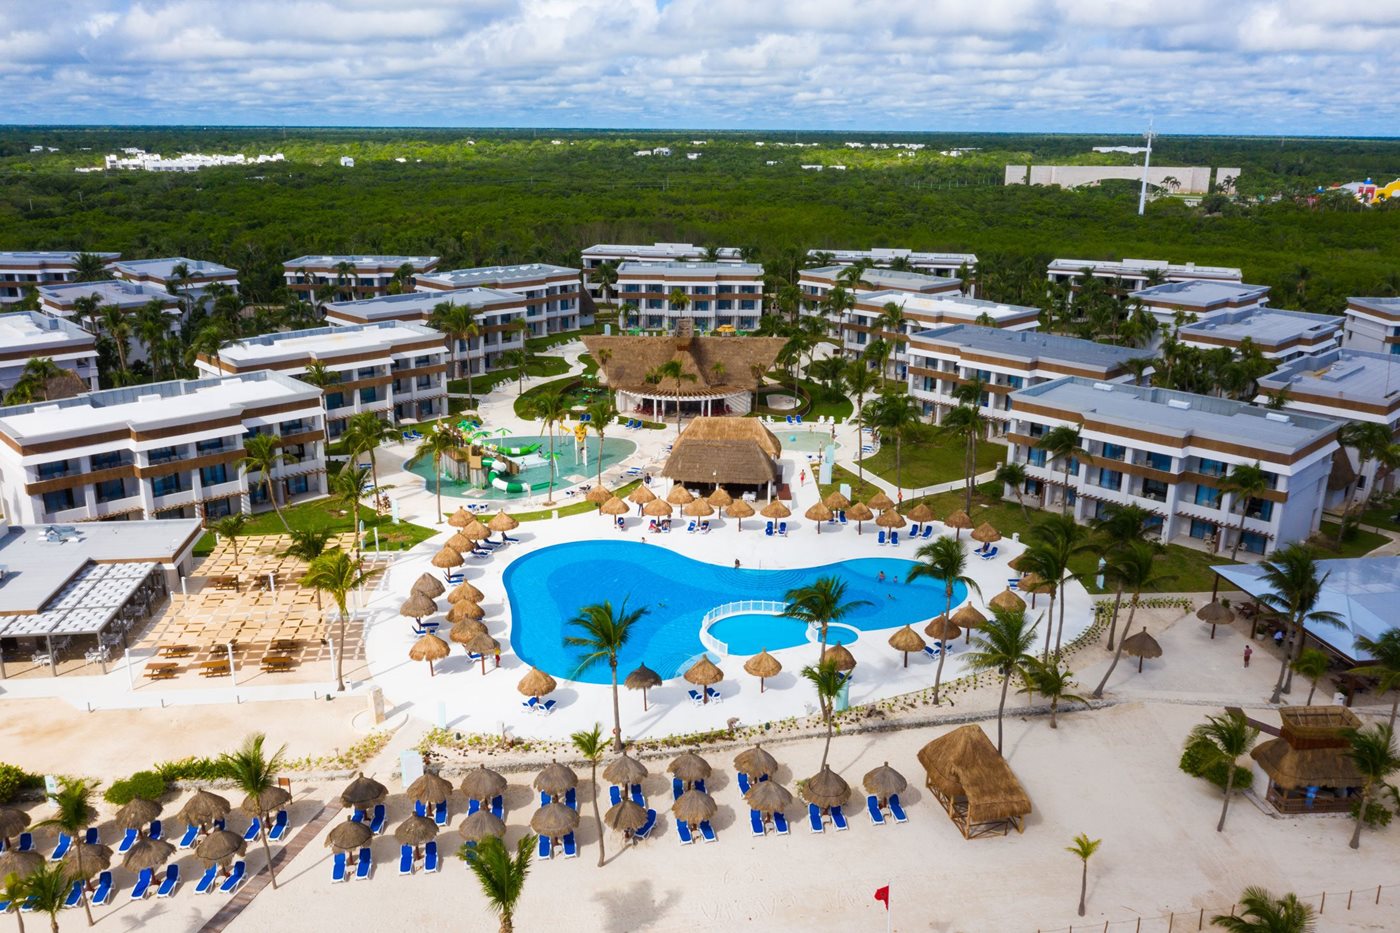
[1359, 543]
[326, 515]
[936, 460]
[484, 383]
[573, 508]
[540, 344]
[822, 402]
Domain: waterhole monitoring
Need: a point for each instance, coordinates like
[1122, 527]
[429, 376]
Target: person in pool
[881, 577]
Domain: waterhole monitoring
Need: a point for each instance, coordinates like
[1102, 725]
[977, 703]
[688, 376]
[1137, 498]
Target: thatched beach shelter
[363, 792]
[430, 789]
[694, 807]
[968, 617]
[689, 767]
[20, 864]
[884, 782]
[476, 531]
[941, 628]
[679, 495]
[626, 816]
[921, 513]
[481, 783]
[641, 495]
[1007, 601]
[482, 644]
[136, 814]
[819, 513]
[891, 519]
[1308, 766]
[536, 683]
[12, 823]
[658, 508]
[615, 506]
[841, 656]
[465, 631]
[826, 789]
[203, 809]
[643, 679]
[859, 513]
[461, 518]
[1215, 613]
[985, 533]
[503, 521]
[624, 771]
[556, 779]
[703, 673]
[974, 783]
[626, 363]
[775, 509]
[719, 498]
[220, 846]
[459, 543]
[738, 510]
[763, 665]
[417, 606]
[755, 762]
[734, 453]
[145, 853]
[958, 521]
[1141, 646]
[447, 558]
[698, 508]
[768, 797]
[481, 824]
[429, 648]
[554, 820]
[599, 494]
[879, 502]
[835, 500]
[429, 585]
[349, 835]
[906, 640]
[465, 610]
[1019, 562]
[416, 831]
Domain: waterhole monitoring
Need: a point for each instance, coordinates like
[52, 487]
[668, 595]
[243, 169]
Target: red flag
[883, 895]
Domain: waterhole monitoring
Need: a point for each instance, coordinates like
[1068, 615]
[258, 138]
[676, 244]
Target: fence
[742, 607]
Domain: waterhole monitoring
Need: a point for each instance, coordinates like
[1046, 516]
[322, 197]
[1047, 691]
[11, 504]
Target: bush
[14, 780]
[145, 784]
[190, 769]
[1199, 759]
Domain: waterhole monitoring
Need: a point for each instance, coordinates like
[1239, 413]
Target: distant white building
[142, 161]
[28, 335]
[1373, 324]
[599, 253]
[947, 265]
[165, 273]
[718, 294]
[347, 162]
[551, 294]
[692, 156]
[662, 150]
[360, 276]
[920, 311]
[21, 270]
[1199, 300]
[1133, 274]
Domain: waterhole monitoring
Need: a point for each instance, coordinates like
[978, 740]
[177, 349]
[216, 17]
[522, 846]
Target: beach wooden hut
[1308, 767]
[974, 783]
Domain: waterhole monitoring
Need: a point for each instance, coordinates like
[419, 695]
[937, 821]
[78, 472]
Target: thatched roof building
[974, 783]
[719, 373]
[724, 451]
[1308, 767]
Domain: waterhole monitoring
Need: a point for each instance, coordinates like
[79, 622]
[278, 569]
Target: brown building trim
[192, 463]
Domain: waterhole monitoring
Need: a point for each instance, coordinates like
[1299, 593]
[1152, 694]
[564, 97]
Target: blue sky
[1240, 66]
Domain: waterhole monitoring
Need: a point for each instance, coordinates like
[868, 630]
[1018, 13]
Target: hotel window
[1161, 462]
[110, 490]
[1261, 509]
[1036, 430]
[1114, 451]
[165, 485]
[1207, 496]
[53, 469]
[213, 475]
[1200, 529]
[631, 287]
[1212, 467]
[1154, 489]
[1110, 479]
[748, 304]
[1035, 457]
[59, 500]
[206, 447]
[724, 304]
[107, 461]
[1252, 542]
[297, 485]
[1016, 382]
[700, 306]
[724, 289]
[335, 400]
[749, 289]
[217, 508]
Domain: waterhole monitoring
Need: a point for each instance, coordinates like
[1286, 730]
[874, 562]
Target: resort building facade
[177, 275]
[352, 276]
[599, 253]
[169, 450]
[1373, 324]
[717, 294]
[945, 265]
[1196, 301]
[1275, 333]
[816, 284]
[397, 370]
[21, 270]
[867, 322]
[1129, 275]
[64, 301]
[29, 335]
[719, 374]
[551, 293]
[1170, 453]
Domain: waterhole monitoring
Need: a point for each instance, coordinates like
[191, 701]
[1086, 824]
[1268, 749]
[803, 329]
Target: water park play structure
[487, 460]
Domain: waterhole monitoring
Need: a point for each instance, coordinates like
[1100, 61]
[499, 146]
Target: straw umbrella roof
[447, 558]
[463, 632]
[615, 506]
[362, 792]
[942, 628]
[694, 806]
[698, 508]
[137, 813]
[625, 816]
[272, 798]
[826, 788]
[755, 761]
[969, 616]
[23, 864]
[641, 495]
[719, 498]
[1018, 563]
[1035, 583]
[921, 513]
[429, 648]
[1216, 613]
[836, 501]
[417, 606]
[481, 824]
[554, 820]
[819, 512]
[964, 764]
[704, 673]
[658, 508]
[906, 639]
[768, 797]
[416, 830]
[958, 519]
[679, 495]
[879, 502]
[985, 533]
[12, 823]
[1142, 645]
[624, 770]
[461, 518]
[464, 610]
[1292, 768]
[348, 835]
[724, 450]
[146, 853]
[481, 783]
[536, 683]
[430, 789]
[219, 845]
[884, 781]
[203, 808]
[555, 779]
[642, 678]
[502, 521]
[775, 509]
[429, 585]
[1007, 601]
[738, 509]
[859, 512]
[599, 494]
[689, 766]
[841, 655]
[476, 531]
[483, 644]
[85, 859]
[763, 665]
[889, 518]
[458, 542]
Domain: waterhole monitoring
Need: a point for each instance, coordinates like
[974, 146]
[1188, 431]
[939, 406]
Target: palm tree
[966, 424]
[1373, 753]
[254, 773]
[601, 414]
[678, 300]
[231, 527]
[821, 603]
[1373, 443]
[1123, 525]
[364, 433]
[826, 680]
[457, 323]
[516, 359]
[436, 445]
[151, 327]
[347, 488]
[1226, 738]
[1136, 567]
[1013, 475]
[944, 560]
[1246, 481]
[896, 415]
[1261, 912]
[501, 875]
[590, 745]
[1293, 591]
[552, 408]
[334, 572]
[1384, 666]
[318, 374]
[604, 275]
[1083, 849]
[44, 891]
[118, 328]
[90, 267]
[75, 814]
[1312, 664]
[1061, 443]
[307, 545]
[672, 369]
[262, 453]
[604, 634]
[1052, 682]
[1056, 540]
[13, 893]
[891, 321]
[859, 379]
[1002, 645]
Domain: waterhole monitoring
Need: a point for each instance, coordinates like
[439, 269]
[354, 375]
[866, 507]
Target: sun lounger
[103, 894]
[364, 864]
[694, 696]
[743, 782]
[498, 807]
[683, 831]
[989, 553]
[358, 816]
[440, 814]
[376, 825]
[614, 794]
[700, 786]
[814, 817]
[839, 819]
[637, 796]
[544, 847]
[894, 536]
[544, 799]
[571, 798]
[872, 806]
[931, 652]
[789, 419]
[529, 704]
[28, 905]
[65, 842]
[279, 827]
[431, 862]
[714, 695]
[882, 539]
[206, 880]
[74, 898]
[647, 826]
[337, 868]
[799, 419]
[570, 846]
[897, 810]
[220, 824]
[690, 529]
[170, 882]
[585, 418]
[90, 837]
[704, 526]
[234, 881]
[677, 788]
[405, 860]
[841, 516]
[254, 828]
[768, 529]
[26, 842]
[128, 840]
[756, 823]
[473, 807]
[548, 706]
[782, 529]
[707, 832]
[191, 834]
[928, 531]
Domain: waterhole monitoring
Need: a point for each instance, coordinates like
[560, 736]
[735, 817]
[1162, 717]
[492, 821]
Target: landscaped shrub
[145, 784]
[189, 769]
[1200, 760]
[14, 780]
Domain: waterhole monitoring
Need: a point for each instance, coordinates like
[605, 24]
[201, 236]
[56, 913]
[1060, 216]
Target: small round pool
[752, 632]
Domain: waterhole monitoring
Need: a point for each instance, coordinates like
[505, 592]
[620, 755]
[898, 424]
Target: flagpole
[889, 912]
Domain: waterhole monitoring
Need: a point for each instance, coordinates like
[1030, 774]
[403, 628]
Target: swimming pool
[570, 468]
[750, 633]
[547, 588]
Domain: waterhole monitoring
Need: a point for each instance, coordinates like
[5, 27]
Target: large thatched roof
[1292, 768]
[626, 361]
[737, 451]
[965, 764]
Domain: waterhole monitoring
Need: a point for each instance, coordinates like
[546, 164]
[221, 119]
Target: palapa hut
[554, 820]
[738, 510]
[476, 531]
[986, 534]
[447, 558]
[136, 814]
[459, 543]
[641, 495]
[859, 513]
[737, 453]
[879, 502]
[416, 831]
[349, 836]
[1308, 767]
[477, 826]
[884, 782]
[203, 809]
[819, 512]
[536, 684]
[756, 762]
[1007, 601]
[1020, 562]
[417, 606]
[768, 797]
[826, 789]
[958, 521]
[220, 846]
[698, 508]
[658, 508]
[689, 767]
[891, 519]
[841, 656]
[836, 501]
[502, 521]
[704, 674]
[465, 631]
[465, 610]
[20, 864]
[430, 789]
[942, 628]
[481, 783]
[720, 498]
[146, 853]
[921, 513]
[775, 509]
[461, 518]
[429, 648]
[626, 817]
[906, 640]
[975, 784]
[1215, 613]
[624, 771]
[429, 585]
[481, 645]
[599, 494]
[12, 823]
[556, 780]
[720, 374]
[968, 617]
[363, 792]
[643, 679]
[615, 506]
[1141, 646]
[763, 665]
[694, 807]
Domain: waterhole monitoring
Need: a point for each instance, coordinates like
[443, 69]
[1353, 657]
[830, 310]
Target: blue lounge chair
[473, 806]
[280, 824]
[571, 798]
[507, 537]
[714, 695]
[547, 706]
[221, 824]
[103, 895]
[431, 862]
[90, 837]
[154, 832]
[74, 898]
[694, 696]
[707, 832]
[677, 788]
[570, 846]
[498, 807]
[26, 842]
[614, 794]
[799, 419]
[894, 536]
[743, 782]
[704, 526]
[440, 814]
[128, 839]
[253, 829]
[419, 809]
[690, 529]
[839, 819]
[756, 823]
[814, 817]
[364, 864]
[28, 905]
[337, 868]
[191, 834]
[530, 704]
[234, 881]
[647, 826]
[914, 530]
[405, 860]
[376, 825]
[768, 529]
[931, 652]
[882, 539]
[782, 529]
[872, 806]
[545, 847]
[841, 516]
[683, 831]
[170, 882]
[928, 532]
[789, 419]
[206, 880]
[471, 850]
[638, 797]
[700, 786]
[358, 816]
[544, 799]
[897, 810]
[990, 553]
[585, 418]
[65, 842]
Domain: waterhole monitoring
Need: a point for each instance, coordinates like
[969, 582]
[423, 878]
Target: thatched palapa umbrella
[641, 495]
[679, 495]
[890, 519]
[775, 509]
[624, 771]
[12, 823]
[482, 644]
[447, 558]
[763, 665]
[879, 502]
[826, 789]
[614, 506]
[768, 797]
[1215, 613]
[958, 521]
[429, 585]
[461, 518]
[626, 816]
[694, 807]
[1007, 601]
[818, 513]
[658, 508]
[689, 767]
[137, 814]
[1035, 584]
[349, 836]
[146, 853]
[861, 513]
[906, 640]
[362, 793]
[884, 782]
[476, 531]
[1019, 562]
[703, 673]
[220, 846]
[554, 820]
[836, 501]
[481, 824]
[942, 628]
[430, 789]
[536, 683]
[841, 656]
[502, 522]
[416, 831]
[719, 498]
[203, 809]
[968, 617]
[20, 864]
[738, 510]
[465, 610]
[643, 679]
[755, 762]
[921, 513]
[463, 632]
[459, 543]
[429, 648]
[1141, 646]
[481, 783]
[698, 508]
[556, 779]
[599, 495]
[986, 534]
[417, 606]
[85, 859]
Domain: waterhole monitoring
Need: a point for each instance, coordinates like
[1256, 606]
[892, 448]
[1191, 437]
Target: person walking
[1248, 652]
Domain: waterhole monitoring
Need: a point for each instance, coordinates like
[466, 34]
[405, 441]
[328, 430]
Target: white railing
[742, 607]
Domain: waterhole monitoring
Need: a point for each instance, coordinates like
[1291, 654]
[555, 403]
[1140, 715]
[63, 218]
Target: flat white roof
[116, 292]
[1200, 294]
[1137, 267]
[371, 262]
[1387, 305]
[28, 258]
[486, 300]
[656, 250]
[497, 275]
[35, 331]
[879, 279]
[1028, 346]
[1342, 375]
[165, 268]
[1267, 327]
[327, 343]
[947, 305]
[752, 269]
[886, 254]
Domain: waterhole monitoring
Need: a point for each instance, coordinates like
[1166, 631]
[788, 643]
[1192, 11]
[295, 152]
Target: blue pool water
[569, 467]
[547, 588]
[751, 633]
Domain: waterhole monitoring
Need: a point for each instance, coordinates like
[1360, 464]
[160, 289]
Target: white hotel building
[945, 265]
[128, 297]
[1129, 275]
[1275, 333]
[817, 283]
[168, 450]
[1169, 452]
[594, 256]
[28, 335]
[864, 325]
[395, 369]
[22, 270]
[1373, 324]
[550, 293]
[369, 275]
[718, 294]
[199, 274]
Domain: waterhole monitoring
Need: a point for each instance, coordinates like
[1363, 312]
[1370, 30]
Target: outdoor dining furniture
[176, 651]
[215, 668]
[273, 664]
[162, 670]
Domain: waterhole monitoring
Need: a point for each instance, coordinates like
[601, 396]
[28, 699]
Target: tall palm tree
[1294, 588]
[262, 454]
[826, 680]
[254, 772]
[307, 545]
[859, 380]
[501, 875]
[1123, 525]
[44, 891]
[347, 489]
[1060, 539]
[1137, 567]
[1261, 912]
[552, 408]
[320, 375]
[1062, 444]
[672, 370]
[590, 745]
[441, 439]
[334, 572]
[1013, 474]
[966, 424]
[90, 267]
[601, 414]
[1312, 664]
[231, 527]
[1373, 753]
[365, 433]
[896, 415]
[1053, 682]
[516, 359]
[457, 323]
[678, 300]
[13, 892]
[891, 322]
[75, 814]
[604, 633]
[344, 271]
[1373, 443]
[837, 303]
[820, 603]
[1227, 738]
[151, 326]
[1384, 666]
[604, 275]
[1083, 849]
[944, 560]
[1002, 645]
[118, 327]
[1245, 481]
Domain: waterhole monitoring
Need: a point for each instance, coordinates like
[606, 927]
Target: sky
[1194, 66]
